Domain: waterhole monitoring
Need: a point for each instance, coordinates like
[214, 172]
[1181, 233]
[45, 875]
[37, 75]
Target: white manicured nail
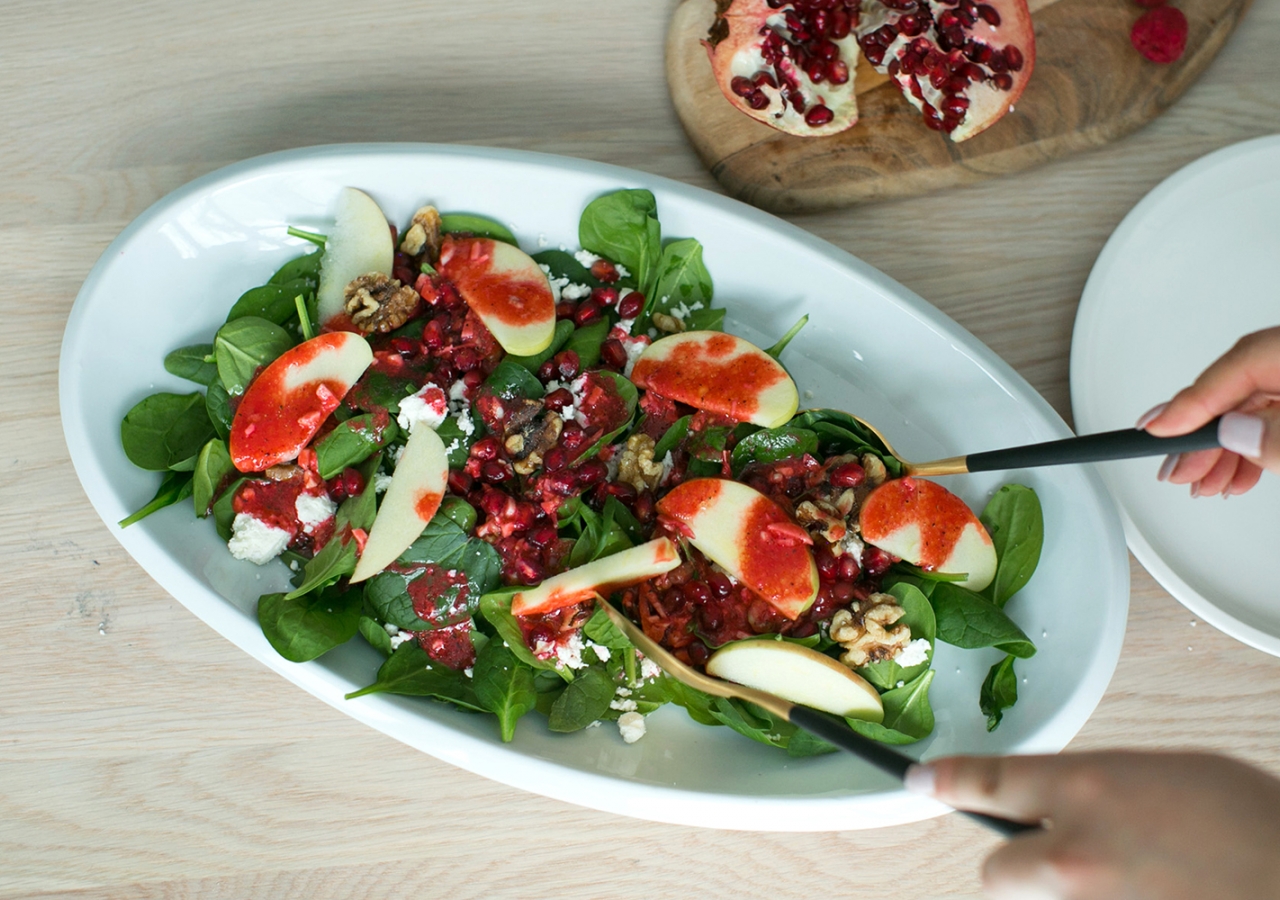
[1241, 433]
[1166, 468]
[1147, 417]
[920, 779]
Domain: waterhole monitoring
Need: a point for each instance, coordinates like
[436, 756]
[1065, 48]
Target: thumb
[1254, 435]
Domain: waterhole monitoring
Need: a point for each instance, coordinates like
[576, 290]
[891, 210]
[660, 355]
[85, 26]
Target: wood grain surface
[143, 756]
[1089, 87]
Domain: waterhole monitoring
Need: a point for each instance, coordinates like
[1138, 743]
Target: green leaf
[444, 543]
[564, 328]
[510, 380]
[603, 534]
[412, 673]
[194, 363]
[695, 702]
[803, 743]
[305, 267]
[373, 632]
[908, 717]
[223, 512]
[970, 620]
[587, 341]
[584, 701]
[217, 405]
[1015, 522]
[630, 398]
[337, 558]
[459, 512]
[999, 692]
[772, 444]
[457, 443]
[272, 302]
[623, 226]
[303, 628]
[213, 470]
[495, 607]
[672, 437]
[918, 616]
[480, 226]
[751, 721]
[318, 239]
[564, 265]
[776, 350]
[682, 279]
[175, 487]
[703, 320]
[242, 346]
[504, 686]
[165, 429]
[601, 630]
[352, 442]
[839, 432]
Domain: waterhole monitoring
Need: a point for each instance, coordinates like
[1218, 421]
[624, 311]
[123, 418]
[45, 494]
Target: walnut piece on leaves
[865, 631]
[423, 235]
[528, 442]
[376, 302]
[667, 323]
[636, 465]
[874, 468]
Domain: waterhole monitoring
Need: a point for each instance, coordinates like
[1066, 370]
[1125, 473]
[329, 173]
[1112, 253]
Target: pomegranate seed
[466, 359]
[586, 313]
[828, 565]
[592, 472]
[848, 475]
[460, 482]
[562, 483]
[486, 448]
[839, 24]
[974, 73]
[1004, 81]
[629, 306]
[613, 355]
[698, 653]
[956, 105]
[837, 72]
[543, 536]
[558, 399]
[603, 270]
[820, 22]
[817, 71]
[1013, 59]
[763, 78]
[757, 99]
[644, 507]
[720, 584]
[433, 334]
[842, 591]
[495, 471]
[849, 569]
[547, 371]
[493, 503]
[819, 115]
[710, 618]
[875, 562]
[567, 364]
[472, 380]
[997, 62]
[741, 86]
[697, 592]
[620, 489]
[605, 296]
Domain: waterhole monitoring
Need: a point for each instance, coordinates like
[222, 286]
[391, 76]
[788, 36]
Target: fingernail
[920, 779]
[1147, 417]
[1241, 433]
[1195, 489]
[1166, 468]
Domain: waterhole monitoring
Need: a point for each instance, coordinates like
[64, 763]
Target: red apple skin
[749, 536]
[284, 407]
[505, 288]
[945, 523]
[601, 576]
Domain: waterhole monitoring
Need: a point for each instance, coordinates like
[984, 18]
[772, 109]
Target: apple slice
[798, 674]
[359, 243]
[602, 576]
[412, 498]
[719, 373]
[930, 527]
[506, 288]
[289, 400]
[749, 536]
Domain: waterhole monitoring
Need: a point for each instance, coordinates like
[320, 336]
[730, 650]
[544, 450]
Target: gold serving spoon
[1127, 443]
[818, 723]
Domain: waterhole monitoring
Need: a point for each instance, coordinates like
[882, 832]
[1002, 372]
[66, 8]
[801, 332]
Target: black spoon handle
[885, 759]
[1128, 443]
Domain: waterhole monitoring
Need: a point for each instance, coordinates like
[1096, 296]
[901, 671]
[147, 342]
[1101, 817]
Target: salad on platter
[458, 447]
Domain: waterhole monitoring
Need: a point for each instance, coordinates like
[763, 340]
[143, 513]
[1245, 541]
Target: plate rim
[639, 799]
[1090, 309]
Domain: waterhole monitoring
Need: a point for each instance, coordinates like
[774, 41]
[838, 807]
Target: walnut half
[423, 235]
[376, 302]
[636, 465]
[865, 633]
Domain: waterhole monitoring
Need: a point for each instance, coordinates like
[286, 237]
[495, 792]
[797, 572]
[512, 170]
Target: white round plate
[1190, 270]
[871, 346]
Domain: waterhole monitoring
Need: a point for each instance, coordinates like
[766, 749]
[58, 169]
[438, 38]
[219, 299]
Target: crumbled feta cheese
[557, 284]
[469, 672]
[381, 481]
[395, 453]
[634, 347]
[401, 637]
[391, 629]
[465, 425]
[542, 240]
[623, 704]
[458, 392]
[667, 464]
[851, 545]
[649, 668]
[913, 654]
[623, 691]
[428, 407]
[586, 258]
[575, 291]
[602, 652]
[683, 312]
[622, 270]
[256, 540]
[569, 653]
[313, 511]
[631, 726]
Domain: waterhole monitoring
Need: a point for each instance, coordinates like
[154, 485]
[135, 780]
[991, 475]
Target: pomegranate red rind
[1149, 4]
[962, 63]
[1160, 34]
[788, 63]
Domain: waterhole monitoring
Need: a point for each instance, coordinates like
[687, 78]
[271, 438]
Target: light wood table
[141, 755]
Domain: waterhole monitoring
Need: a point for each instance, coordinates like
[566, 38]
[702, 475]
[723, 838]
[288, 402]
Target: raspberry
[1160, 34]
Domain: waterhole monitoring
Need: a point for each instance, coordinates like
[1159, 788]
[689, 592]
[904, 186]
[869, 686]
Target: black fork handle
[1128, 443]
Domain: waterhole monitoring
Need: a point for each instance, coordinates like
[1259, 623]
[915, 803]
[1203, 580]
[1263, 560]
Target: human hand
[1244, 388]
[1137, 826]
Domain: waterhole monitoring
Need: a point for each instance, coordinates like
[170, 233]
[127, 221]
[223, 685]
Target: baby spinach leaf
[352, 442]
[970, 620]
[695, 702]
[378, 391]
[623, 226]
[165, 429]
[630, 396]
[444, 543]
[223, 512]
[601, 630]
[918, 616]
[411, 672]
[217, 405]
[242, 346]
[305, 267]
[510, 380]
[359, 511]
[587, 341]
[373, 632]
[302, 628]
[602, 535]
[563, 264]
[504, 686]
[772, 444]
[457, 443]
[751, 721]
[999, 692]
[584, 701]
[388, 594]
[776, 350]
[213, 470]
[459, 512]
[175, 487]
[194, 363]
[338, 557]
[1015, 522]
[839, 432]
[495, 607]
[803, 743]
[564, 328]
[703, 320]
[272, 302]
[480, 226]
[672, 437]
[908, 716]
[682, 278]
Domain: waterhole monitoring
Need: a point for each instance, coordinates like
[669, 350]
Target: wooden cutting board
[1089, 87]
